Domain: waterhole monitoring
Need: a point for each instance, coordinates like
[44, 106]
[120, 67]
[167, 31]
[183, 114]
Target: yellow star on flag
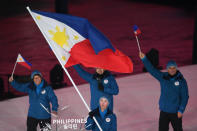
[63, 58]
[38, 17]
[76, 37]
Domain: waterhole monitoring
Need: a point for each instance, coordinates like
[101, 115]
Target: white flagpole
[14, 67]
[86, 105]
[138, 44]
[48, 110]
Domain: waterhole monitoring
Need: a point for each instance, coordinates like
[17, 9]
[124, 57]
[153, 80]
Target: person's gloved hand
[92, 113]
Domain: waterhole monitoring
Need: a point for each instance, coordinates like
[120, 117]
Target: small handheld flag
[20, 60]
[137, 32]
[23, 62]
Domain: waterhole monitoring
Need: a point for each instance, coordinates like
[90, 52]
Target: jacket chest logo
[106, 81]
[107, 119]
[43, 92]
[176, 83]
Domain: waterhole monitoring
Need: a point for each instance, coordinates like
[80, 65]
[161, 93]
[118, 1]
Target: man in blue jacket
[102, 83]
[174, 94]
[40, 96]
[105, 117]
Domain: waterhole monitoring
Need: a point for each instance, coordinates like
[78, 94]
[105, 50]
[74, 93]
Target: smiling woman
[37, 79]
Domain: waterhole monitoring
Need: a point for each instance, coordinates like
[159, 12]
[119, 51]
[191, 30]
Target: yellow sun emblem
[61, 38]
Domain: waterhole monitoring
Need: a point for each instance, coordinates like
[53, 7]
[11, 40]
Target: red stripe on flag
[83, 53]
[25, 65]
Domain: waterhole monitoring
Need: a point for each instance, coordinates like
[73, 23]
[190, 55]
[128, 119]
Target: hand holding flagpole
[137, 32]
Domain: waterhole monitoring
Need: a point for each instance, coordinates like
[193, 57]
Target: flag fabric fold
[106, 59]
[76, 41]
[20, 60]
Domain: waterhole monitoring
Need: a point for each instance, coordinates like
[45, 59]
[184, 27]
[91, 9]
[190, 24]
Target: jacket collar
[98, 76]
[177, 76]
[98, 113]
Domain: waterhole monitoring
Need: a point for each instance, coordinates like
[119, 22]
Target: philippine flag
[75, 40]
[137, 31]
[23, 62]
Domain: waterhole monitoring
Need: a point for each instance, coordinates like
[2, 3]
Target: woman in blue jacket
[102, 83]
[40, 96]
[174, 94]
[105, 117]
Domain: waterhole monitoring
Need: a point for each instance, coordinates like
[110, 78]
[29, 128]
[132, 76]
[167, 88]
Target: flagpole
[86, 105]
[14, 67]
[138, 44]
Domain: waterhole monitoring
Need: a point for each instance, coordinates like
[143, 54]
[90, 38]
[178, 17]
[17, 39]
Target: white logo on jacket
[43, 92]
[106, 81]
[107, 119]
[176, 83]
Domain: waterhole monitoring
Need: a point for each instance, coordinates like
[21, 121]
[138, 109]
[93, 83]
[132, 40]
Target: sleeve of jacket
[114, 124]
[82, 73]
[150, 68]
[21, 87]
[53, 99]
[90, 124]
[184, 97]
[110, 85]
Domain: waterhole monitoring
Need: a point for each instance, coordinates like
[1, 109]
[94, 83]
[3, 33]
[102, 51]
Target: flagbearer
[105, 117]
[40, 93]
[102, 83]
[174, 94]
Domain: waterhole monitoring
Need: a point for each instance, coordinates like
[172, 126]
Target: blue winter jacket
[174, 90]
[45, 96]
[108, 123]
[109, 84]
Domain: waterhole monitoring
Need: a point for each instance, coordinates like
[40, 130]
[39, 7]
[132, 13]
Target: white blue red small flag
[23, 62]
[137, 31]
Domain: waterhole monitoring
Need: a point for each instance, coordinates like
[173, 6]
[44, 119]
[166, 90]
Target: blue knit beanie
[35, 72]
[104, 98]
[171, 63]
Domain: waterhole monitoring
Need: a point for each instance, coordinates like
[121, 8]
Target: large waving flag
[20, 60]
[76, 41]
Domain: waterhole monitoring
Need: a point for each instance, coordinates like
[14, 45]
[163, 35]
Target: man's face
[37, 79]
[172, 70]
[103, 103]
[100, 71]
